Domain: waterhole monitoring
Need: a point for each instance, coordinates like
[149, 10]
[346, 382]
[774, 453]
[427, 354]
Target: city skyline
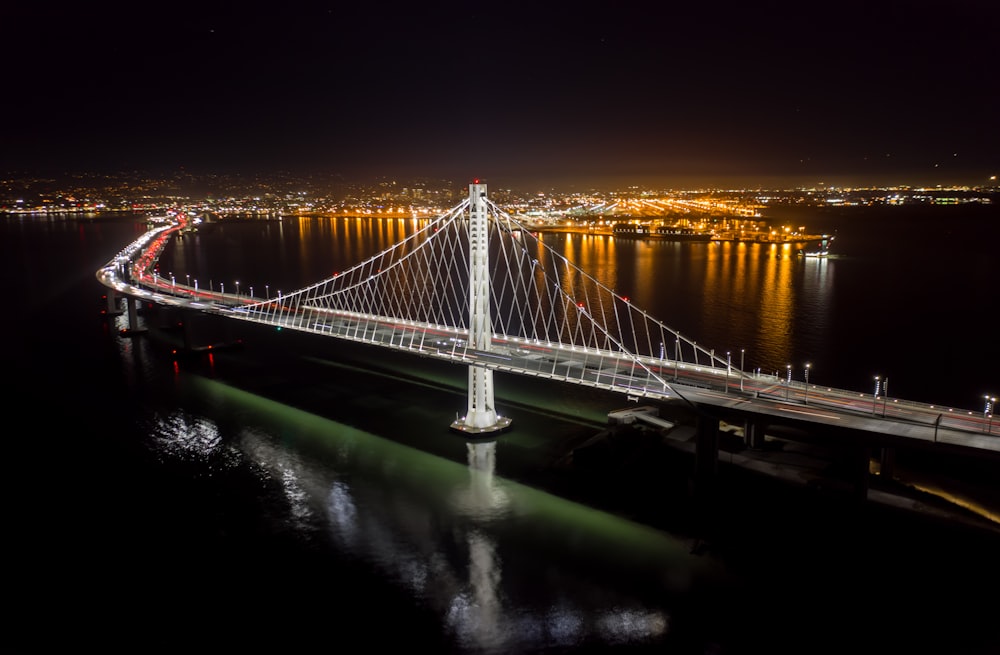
[557, 93]
[282, 192]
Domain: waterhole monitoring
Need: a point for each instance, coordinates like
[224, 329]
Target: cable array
[537, 295]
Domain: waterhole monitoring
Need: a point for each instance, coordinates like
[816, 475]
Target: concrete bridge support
[706, 460]
[133, 313]
[887, 463]
[112, 300]
[753, 433]
[863, 457]
[131, 310]
[201, 336]
[186, 331]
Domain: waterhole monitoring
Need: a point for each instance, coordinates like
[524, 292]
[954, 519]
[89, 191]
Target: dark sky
[683, 93]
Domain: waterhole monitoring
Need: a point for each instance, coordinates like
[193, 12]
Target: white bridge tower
[481, 416]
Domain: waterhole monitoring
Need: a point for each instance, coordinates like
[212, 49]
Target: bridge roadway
[729, 393]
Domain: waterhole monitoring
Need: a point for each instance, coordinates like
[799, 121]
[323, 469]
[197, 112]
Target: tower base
[502, 423]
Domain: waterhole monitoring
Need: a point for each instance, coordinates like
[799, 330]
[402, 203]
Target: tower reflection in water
[475, 615]
[504, 565]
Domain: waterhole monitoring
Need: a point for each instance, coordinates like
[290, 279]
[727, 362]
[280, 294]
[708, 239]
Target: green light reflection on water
[533, 518]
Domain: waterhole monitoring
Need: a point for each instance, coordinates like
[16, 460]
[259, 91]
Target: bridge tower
[481, 416]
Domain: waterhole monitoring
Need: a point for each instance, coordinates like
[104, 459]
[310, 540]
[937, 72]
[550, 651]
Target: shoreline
[756, 237]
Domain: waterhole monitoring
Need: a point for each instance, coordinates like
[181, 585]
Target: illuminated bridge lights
[377, 315]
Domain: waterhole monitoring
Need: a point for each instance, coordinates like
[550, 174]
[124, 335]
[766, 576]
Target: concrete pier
[131, 308]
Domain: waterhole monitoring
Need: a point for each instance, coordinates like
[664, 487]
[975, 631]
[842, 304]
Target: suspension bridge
[476, 288]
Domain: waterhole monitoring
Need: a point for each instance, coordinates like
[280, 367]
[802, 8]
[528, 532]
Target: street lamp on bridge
[677, 355]
[806, 399]
[788, 380]
[878, 387]
[988, 412]
[742, 352]
[885, 395]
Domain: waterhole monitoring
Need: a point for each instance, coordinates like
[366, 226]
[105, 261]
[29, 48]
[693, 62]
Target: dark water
[299, 494]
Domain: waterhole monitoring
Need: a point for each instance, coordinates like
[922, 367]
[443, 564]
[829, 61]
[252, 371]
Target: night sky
[676, 93]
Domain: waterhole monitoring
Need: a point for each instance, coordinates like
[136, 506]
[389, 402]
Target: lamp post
[806, 400]
[251, 292]
[988, 412]
[885, 395]
[729, 367]
[788, 380]
[222, 285]
[237, 288]
[677, 355]
[742, 352]
[878, 386]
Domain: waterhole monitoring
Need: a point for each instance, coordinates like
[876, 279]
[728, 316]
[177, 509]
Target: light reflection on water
[182, 436]
[504, 566]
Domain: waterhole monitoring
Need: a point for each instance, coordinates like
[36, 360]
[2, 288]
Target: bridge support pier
[112, 300]
[131, 309]
[186, 332]
[706, 459]
[887, 463]
[481, 416]
[753, 433]
[199, 338]
[862, 457]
